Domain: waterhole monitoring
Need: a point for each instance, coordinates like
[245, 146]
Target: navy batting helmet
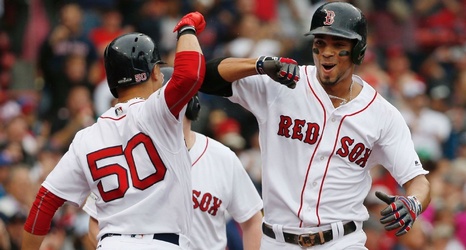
[343, 20]
[129, 60]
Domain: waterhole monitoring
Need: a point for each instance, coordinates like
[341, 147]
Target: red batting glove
[194, 19]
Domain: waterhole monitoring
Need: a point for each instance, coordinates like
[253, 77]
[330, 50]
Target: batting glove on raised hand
[401, 212]
[193, 20]
[280, 69]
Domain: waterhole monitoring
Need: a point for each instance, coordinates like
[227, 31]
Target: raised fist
[193, 19]
[280, 69]
[400, 213]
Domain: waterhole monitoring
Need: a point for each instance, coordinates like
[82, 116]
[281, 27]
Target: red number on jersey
[120, 172]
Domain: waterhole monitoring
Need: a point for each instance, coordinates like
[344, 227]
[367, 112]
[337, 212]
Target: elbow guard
[213, 83]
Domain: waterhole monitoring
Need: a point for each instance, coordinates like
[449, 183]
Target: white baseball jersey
[220, 184]
[137, 167]
[316, 158]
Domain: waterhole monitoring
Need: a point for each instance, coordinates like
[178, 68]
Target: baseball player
[220, 185]
[133, 160]
[320, 135]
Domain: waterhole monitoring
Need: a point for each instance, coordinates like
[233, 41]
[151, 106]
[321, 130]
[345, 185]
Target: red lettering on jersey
[215, 206]
[98, 172]
[345, 143]
[354, 153]
[363, 160]
[312, 133]
[298, 126]
[111, 169]
[287, 127]
[206, 202]
[158, 175]
[196, 195]
[284, 126]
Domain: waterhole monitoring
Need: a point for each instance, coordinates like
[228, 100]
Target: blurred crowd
[52, 84]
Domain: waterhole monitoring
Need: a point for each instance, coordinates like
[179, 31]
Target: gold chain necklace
[343, 100]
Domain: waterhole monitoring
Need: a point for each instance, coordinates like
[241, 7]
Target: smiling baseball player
[320, 135]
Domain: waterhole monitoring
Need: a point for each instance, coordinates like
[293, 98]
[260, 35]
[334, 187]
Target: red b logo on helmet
[330, 17]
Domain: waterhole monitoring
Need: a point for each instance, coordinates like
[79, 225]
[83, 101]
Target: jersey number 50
[121, 173]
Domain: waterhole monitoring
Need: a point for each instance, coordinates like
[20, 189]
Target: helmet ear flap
[357, 55]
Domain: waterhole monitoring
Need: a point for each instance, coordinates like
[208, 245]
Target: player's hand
[280, 69]
[400, 213]
[193, 19]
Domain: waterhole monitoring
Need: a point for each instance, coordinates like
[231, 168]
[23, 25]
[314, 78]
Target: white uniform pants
[144, 242]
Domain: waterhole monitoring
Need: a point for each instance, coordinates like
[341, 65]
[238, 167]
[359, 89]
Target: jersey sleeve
[395, 149]
[256, 93]
[245, 201]
[89, 207]
[67, 180]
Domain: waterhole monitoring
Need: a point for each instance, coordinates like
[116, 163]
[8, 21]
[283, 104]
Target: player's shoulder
[371, 94]
[83, 138]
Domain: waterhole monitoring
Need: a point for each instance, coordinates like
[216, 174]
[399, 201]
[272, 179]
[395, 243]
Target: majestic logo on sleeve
[206, 202]
[330, 17]
[309, 132]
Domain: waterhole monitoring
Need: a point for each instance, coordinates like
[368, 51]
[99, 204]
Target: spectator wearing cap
[228, 132]
[429, 128]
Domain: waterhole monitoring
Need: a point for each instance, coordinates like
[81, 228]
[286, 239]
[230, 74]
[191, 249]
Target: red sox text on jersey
[294, 128]
[206, 202]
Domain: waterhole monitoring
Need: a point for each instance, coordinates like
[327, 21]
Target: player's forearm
[189, 68]
[188, 42]
[252, 232]
[419, 187]
[31, 241]
[232, 69]
[93, 231]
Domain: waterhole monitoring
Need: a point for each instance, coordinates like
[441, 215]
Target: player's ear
[156, 75]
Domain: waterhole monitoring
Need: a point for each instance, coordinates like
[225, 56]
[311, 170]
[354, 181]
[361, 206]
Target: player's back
[137, 167]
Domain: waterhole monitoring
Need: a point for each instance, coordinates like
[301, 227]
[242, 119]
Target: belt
[171, 238]
[309, 240]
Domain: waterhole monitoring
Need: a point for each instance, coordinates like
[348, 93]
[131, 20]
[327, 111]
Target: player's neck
[341, 98]
[127, 100]
[190, 139]
[135, 91]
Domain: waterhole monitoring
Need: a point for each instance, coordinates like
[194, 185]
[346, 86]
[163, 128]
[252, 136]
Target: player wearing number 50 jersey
[133, 158]
[220, 185]
[320, 136]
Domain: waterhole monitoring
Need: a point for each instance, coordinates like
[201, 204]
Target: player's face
[332, 59]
